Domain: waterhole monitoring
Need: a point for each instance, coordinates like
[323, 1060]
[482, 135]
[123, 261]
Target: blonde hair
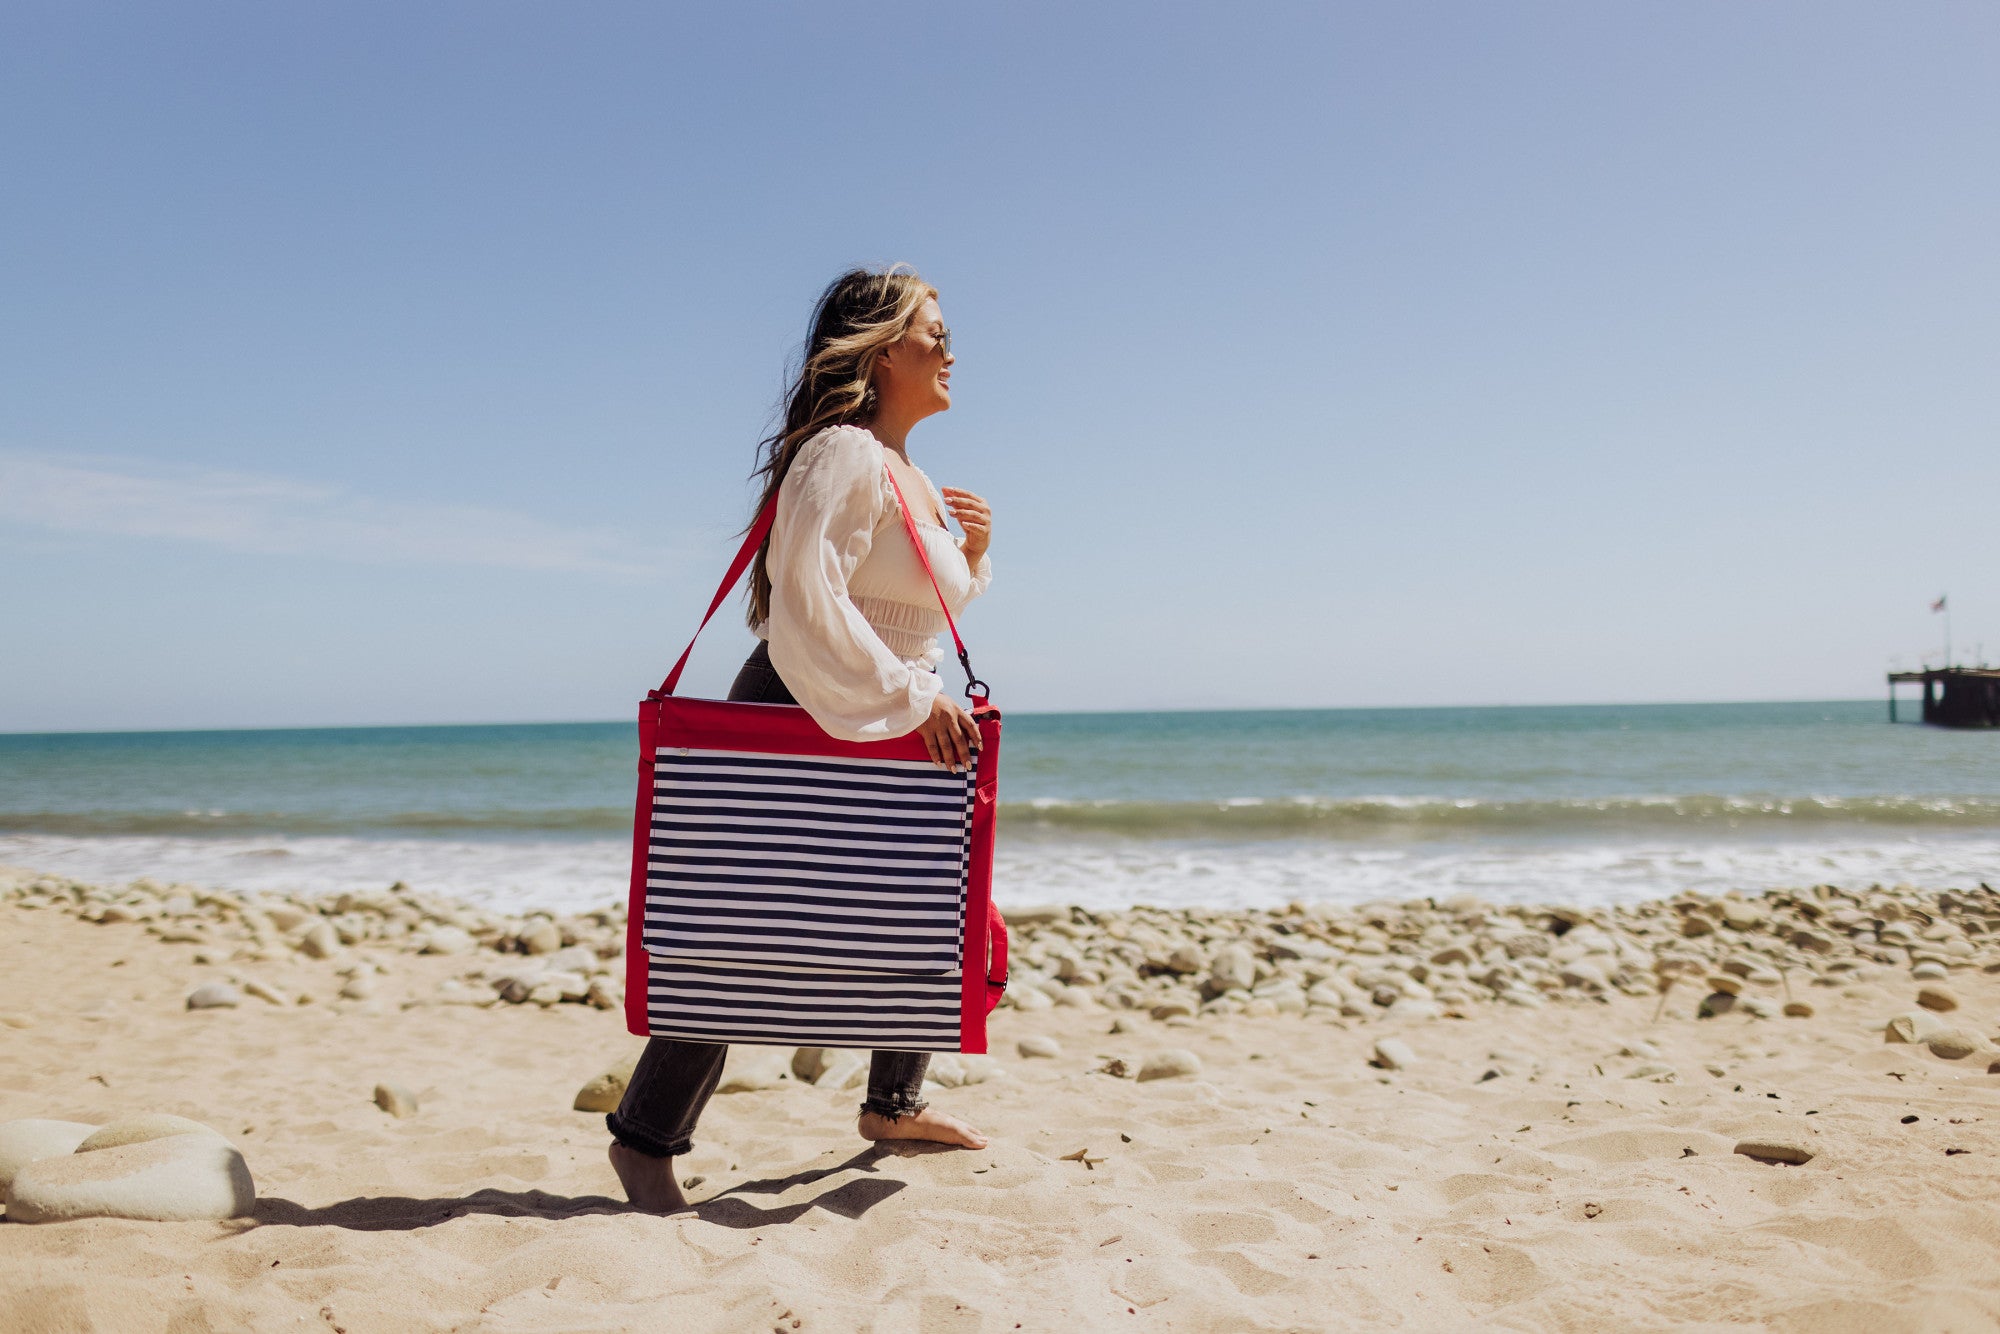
[860, 313]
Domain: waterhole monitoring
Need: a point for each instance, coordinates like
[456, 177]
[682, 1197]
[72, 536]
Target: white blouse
[853, 624]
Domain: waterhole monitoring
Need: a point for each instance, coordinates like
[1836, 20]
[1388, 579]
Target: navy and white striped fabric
[806, 899]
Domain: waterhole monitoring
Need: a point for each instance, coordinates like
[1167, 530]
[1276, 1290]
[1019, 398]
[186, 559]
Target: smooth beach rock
[604, 992]
[1939, 998]
[753, 1071]
[1393, 1054]
[1929, 971]
[807, 1062]
[1798, 1009]
[1172, 1009]
[320, 941]
[359, 987]
[448, 940]
[1954, 1044]
[542, 937]
[1172, 1063]
[1775, 1149]
[846, 1068]
[396, 1100]
[1028, 998]
[1232, 968]
[1046, 1048]
[603, 1093]
[1726, 982]
[22, 1142]
[1716, 1003]
[945, 1071]
[979, 1069]
[176, 1179]
[142, 1128]
[1915, 1026]
[1584, 973]
[578, 959]
[287, 917]
[1759, 1006]
[214, 996]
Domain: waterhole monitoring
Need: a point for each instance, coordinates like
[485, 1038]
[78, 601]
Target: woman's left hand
[974, 517]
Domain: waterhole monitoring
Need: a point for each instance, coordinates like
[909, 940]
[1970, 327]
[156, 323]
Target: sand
[1291, 1185]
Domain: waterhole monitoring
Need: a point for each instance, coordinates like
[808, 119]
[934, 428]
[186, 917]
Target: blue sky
[388, 363]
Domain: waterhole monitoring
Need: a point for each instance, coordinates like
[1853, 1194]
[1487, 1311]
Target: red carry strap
[755, 538]
[975, 689]
[751, 541]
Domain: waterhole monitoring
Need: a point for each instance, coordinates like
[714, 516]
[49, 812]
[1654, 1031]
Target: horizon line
[1024, 713]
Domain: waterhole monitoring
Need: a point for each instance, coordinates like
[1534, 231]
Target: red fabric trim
[779, 729]
[974, 1002]
[638, 971]
[751, 541]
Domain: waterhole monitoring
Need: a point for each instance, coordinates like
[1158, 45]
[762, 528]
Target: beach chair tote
[792, 889]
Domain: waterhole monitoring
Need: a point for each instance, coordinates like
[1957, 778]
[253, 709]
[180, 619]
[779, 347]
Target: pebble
[1584, 973]
[544, 937]
[1798, 1009]
[945, 1071]
[1233, 967]
[1939, 998]
[263, 991]
[1043, 1047]
[359, 987]
[396, 1100]
[753, 1072]
[1914, 1026]
[1029, 998]
[1775, 1149]
[1927, 972]
[176, 1179]
[1171, 1063]
[139, 1129]
[214, 996]
[320, 941]
[448, 940]
[22, 1142]
[1393, 1054]
[1173, 1009]
[603, 1093]
[1759, 1006]
[1953, 1044]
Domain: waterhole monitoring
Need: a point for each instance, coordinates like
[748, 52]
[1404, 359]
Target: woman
[850, 624]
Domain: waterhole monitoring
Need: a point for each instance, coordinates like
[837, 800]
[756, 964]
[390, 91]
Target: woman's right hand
[949, 733]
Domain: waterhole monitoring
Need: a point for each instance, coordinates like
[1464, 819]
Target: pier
[1954, 696]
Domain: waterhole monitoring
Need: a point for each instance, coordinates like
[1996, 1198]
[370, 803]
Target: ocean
[1584, 805]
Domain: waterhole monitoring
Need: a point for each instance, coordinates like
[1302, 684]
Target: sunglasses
[943, 339]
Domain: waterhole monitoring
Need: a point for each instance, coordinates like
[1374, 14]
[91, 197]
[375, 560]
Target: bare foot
[930, 1124]
[649, 1182]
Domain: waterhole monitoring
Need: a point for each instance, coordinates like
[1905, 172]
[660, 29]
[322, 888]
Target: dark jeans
[675, 1079]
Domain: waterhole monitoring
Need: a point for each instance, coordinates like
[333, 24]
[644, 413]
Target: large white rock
[23, 1142]
[177, 1179]
[139, 1129]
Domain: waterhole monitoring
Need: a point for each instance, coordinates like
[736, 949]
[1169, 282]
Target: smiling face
[914, 373]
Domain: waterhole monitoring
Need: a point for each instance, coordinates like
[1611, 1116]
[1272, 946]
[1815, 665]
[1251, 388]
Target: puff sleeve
[836, 666]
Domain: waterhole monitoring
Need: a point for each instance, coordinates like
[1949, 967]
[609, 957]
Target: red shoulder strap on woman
[975, 688]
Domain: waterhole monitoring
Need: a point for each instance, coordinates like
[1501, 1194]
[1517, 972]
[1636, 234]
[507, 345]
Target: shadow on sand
[401, 1213]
